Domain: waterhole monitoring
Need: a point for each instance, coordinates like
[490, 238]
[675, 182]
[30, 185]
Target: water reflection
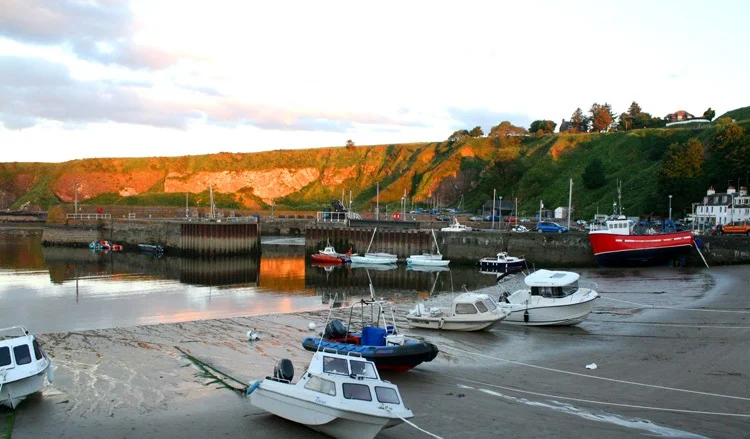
[67, 264]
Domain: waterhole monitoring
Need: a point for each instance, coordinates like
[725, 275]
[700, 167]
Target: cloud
[469, 118]
[86, 27]
[35, 89]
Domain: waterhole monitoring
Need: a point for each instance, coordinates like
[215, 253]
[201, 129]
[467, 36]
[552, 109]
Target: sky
[150, 78]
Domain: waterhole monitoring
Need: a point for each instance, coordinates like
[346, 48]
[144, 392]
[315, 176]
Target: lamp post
[670, 207]
[541, 205]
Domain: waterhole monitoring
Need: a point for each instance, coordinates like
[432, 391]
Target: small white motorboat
[456, 227]
[429, 259]
[339, 395]
[552, 298]
[468, 312]
[23, 366]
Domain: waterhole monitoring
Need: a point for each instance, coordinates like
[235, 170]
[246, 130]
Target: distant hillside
[738, 114]
[650, 163]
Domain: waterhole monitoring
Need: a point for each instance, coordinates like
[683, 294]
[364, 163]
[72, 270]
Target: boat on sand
[23, 366]
[340, 395]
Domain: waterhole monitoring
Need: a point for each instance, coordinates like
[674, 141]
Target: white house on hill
[724, 208]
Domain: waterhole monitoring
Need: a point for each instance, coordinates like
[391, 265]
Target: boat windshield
[363, 369]
[490, 304]
[481, 307]
[4, 356]
[335, 365]
[555, 292]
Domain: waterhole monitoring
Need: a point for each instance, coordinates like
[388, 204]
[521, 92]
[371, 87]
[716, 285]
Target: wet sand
[134, 382]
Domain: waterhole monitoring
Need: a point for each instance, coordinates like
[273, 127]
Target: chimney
[730, 190]
[710, 191]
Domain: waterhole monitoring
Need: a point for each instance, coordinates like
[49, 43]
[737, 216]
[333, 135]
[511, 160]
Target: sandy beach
[660, 372]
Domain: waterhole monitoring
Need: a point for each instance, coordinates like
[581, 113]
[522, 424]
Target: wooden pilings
[220, 238]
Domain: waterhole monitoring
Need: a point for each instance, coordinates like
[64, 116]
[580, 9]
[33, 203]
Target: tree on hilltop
[350, 144]
[458, 135]
[506, 128]
[602, 117]
[541, 127]
[476, 132]
[709, 114]
[578, 122]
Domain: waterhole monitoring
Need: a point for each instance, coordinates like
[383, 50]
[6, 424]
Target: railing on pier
[89, 216]
[336, 217]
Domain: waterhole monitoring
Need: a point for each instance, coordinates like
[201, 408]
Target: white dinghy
[23, 366]
[429, 259]
[339, 395]
[374, 257]
[468, 312]
[552, 298]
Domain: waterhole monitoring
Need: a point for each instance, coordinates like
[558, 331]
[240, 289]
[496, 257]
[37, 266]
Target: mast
[570, 200]
[436, 244]
[371, 239]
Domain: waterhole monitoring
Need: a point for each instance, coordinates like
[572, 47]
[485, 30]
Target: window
[4, 356]
[569, 289]
[363, 368]
[387, 395]
[335, 365]
[321, 385]
[22, 354]
[490, 303]
[465, 308]
[37, 350]
[481, 307]
[357, 391]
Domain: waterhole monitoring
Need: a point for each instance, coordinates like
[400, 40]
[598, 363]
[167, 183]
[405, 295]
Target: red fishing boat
[617, 245]
[326, 259]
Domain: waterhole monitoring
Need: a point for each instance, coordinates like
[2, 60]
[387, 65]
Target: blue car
[550, 227]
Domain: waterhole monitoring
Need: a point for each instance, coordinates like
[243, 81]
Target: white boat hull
[12, 393]
[451, 323]
[373, 259]
[318, 416]
[428, 262]
[548, 312]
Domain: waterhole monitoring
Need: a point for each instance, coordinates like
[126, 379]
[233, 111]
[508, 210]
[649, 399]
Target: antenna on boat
[330, 311]
[437, 247]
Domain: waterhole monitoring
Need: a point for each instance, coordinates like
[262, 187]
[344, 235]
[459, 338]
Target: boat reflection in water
[396, 282]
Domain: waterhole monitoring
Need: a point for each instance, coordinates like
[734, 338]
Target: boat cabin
[472, 303]
[552, 284]
[19, 353]
[616, 225]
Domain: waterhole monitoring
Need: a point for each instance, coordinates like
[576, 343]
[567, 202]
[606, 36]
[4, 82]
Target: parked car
[489, 218]
[550, 227]
[510, 219]
[475, 218]
[525, 220]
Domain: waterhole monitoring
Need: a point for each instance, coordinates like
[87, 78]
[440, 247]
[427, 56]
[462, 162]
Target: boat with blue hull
[393, 357]
[376, 338]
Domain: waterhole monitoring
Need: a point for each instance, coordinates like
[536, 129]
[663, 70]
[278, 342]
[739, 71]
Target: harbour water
[55, 289]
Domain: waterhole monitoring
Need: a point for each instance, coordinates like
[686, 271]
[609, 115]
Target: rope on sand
[734, 311]
[589, 401]
[390, 410]
[216, 374]
[632, 383]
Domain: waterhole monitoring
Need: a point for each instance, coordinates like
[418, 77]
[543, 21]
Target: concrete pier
[540, 249]
[197, 238]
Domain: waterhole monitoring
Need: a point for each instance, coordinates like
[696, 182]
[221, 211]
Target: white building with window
[724, 208]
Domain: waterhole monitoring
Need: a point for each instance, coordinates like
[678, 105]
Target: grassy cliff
[530, 169]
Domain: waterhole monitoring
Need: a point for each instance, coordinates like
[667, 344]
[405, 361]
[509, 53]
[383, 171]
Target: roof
[549, 278]
[469, 298]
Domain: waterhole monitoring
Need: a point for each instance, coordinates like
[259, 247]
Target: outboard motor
[283, 370]
[335, 329]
